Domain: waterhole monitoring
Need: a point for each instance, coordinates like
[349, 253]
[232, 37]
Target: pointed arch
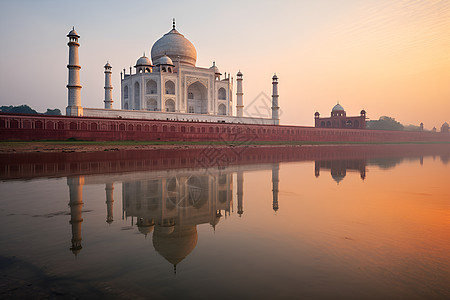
[197, 98]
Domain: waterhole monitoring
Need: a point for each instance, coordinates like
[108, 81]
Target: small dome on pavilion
[215, 68]
[164, 60]
[143, 61]
[337, 107]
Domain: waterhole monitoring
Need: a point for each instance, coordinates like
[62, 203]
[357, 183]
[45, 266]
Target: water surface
[298, 222]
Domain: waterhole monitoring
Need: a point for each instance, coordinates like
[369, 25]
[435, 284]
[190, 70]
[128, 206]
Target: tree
[384, 123]
[53, 112]
[21, 109]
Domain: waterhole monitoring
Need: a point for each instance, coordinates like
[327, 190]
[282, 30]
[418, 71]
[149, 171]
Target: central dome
[176, 46]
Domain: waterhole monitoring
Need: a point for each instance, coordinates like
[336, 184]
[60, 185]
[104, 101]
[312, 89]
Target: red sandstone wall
[40, 127]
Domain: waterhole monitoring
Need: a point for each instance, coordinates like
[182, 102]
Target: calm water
[353, 222]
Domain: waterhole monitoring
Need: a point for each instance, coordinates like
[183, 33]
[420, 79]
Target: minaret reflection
[76, 205]
[109, 189]
[275, 181]
[240, 192]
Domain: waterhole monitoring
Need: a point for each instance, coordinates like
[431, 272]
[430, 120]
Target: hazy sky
[388, 57]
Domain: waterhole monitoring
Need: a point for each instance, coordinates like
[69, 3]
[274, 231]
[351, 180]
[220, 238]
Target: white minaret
[275, 106]
[74, 87]
[239, 96]
[108, 87]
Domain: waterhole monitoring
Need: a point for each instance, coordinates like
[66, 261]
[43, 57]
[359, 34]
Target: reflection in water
[178, 204]
[76, 205]
[339, 168]
[169, 206]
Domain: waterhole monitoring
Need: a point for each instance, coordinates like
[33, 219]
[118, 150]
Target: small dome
[363, 112]
[164, 60]
[337, 107]
[145, 226]
[107, 65]
[215, 68]
[316, 113]
[73, 33]
[239, 73]
[143, 61]
[275, 77]
[176, 46]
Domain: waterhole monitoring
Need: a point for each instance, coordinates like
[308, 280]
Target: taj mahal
[168, 87]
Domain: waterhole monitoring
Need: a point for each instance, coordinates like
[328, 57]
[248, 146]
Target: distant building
[339, 119]
[444, 127]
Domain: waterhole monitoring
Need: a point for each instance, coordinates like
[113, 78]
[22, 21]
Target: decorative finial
[143, 55]
[173, 23]
[73, 27]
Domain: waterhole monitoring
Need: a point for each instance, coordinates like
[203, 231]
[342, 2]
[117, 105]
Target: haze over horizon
[387, 57]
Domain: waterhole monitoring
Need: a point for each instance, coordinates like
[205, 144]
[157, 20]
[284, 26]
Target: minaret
[76, 205]
[74, 87]
[317, 168]
[239, 96]
[240, 192]
[108, 87]
[275, 106]
[275, 181]
[109, 202]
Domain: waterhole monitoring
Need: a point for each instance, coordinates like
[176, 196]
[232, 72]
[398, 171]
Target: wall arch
[222, 109]
[151, 87]
[169, 105]
[222, 94]
[170, 87]
[137, 95]
[197, 98]
[152, 104]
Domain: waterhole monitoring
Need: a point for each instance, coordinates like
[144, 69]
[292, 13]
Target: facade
[339, 119]
[173, 82]
[168, 87]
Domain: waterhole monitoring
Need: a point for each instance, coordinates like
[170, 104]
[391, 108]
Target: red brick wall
[40, 127]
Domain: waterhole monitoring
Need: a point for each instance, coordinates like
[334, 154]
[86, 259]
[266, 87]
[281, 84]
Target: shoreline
[88, 146]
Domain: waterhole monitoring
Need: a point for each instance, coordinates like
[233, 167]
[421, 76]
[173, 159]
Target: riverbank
[89, 146]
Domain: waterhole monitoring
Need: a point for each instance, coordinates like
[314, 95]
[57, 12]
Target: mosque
[168, 87]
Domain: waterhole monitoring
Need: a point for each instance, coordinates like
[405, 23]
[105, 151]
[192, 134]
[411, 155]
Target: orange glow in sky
[388, 57]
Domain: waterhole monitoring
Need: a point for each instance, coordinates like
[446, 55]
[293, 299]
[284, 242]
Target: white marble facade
[171, 82]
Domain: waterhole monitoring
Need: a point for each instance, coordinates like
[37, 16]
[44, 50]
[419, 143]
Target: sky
[391, 58]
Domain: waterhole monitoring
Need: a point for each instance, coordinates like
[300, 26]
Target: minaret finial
[173, 23]
[73, 27]
[143, 54]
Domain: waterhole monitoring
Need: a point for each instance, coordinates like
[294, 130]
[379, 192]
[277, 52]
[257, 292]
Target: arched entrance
[197, 98]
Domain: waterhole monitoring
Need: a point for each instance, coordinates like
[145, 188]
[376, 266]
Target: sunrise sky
[388, 57]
